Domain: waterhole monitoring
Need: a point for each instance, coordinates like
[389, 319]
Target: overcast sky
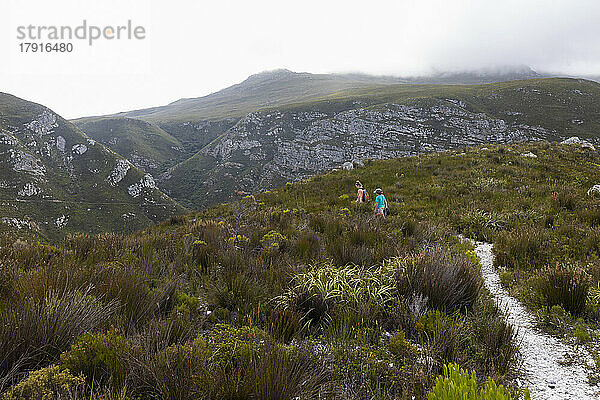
[193, 48]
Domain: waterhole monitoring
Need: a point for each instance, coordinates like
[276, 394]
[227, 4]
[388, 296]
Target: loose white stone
[119, 172]
[529, 155]
[348, 166]
[61, 143]
[576, 140]
[79, 149]
[61, 221]
[29, 190]
[594, 190]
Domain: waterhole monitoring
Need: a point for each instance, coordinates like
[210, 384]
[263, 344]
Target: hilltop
[281, 86]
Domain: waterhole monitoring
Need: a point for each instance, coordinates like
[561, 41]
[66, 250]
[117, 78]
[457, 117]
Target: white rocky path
[544, 369]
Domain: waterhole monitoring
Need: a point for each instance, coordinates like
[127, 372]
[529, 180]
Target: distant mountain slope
[147, 146]
[153, 147]
[481, 76]
[280, 87]
[281, 126]
[55, 180]
[270, 147]
[271, 88]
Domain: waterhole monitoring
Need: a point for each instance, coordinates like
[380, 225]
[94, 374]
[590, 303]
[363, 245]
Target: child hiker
[361, 195]
[380, 203]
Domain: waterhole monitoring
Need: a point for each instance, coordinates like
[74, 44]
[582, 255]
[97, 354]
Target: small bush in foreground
[458, 384]
[36, 332]
[45, 384]
[450, 282]
[236, 363]
[445, 335]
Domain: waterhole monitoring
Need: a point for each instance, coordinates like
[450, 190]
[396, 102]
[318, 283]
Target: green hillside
[147, 146]
[54, 180]
[301, 293]
[548, 102]
[271, 88]
[270, 147]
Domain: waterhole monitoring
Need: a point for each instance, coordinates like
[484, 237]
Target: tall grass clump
[444, 336]
[34, 332]
[493, 341]
[234, 363]
[523, 248]
[449, 281]
[139, 303]
[564, 284]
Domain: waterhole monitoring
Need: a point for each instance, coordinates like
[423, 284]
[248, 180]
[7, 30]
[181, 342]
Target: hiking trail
[552, 369]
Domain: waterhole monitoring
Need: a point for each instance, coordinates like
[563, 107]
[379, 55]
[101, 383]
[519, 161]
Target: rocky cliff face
[55, 180]
[293, 145]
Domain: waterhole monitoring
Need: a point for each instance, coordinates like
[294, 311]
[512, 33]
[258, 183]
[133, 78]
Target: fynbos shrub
[449, 281]
[524, 249]
[457, 384]
[99, 356]
[566, 285]
[47, 383]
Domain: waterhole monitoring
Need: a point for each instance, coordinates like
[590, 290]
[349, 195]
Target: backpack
[365, 195]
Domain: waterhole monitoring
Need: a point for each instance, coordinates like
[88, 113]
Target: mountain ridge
[212, 106]
[270, 147]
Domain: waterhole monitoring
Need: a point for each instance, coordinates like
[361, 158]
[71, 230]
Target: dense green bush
[525, 248]
[493, 341]
[237, 363]
[308, 246]
[139, 301]
[367, 371]
[34, 332]
[449, 281]
[100, 357]
[457, 384]
[445, 336]
[402, 349]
